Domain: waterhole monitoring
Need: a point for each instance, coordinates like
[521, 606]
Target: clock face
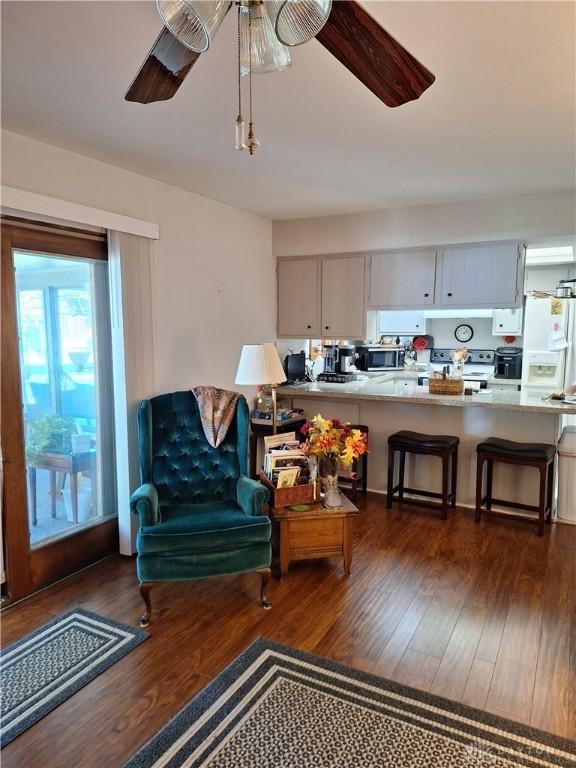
[464, 333]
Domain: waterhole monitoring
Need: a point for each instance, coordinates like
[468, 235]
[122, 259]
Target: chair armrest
[144, 501]
[251, 495]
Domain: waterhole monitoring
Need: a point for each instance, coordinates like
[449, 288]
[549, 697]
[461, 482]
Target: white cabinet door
[402, 279]
[400, 322]
[343, 315]
[298, 298]
[507, 322]
[480, 276]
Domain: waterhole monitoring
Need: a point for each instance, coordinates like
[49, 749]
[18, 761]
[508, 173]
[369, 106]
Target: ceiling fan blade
[163, 72]
[370, 53]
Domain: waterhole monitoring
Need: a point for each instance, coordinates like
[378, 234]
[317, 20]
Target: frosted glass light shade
[259, 364]
[193, 22]
[297, 21]
[268, 53]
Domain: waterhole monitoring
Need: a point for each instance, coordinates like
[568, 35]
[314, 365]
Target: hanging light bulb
[267, 52]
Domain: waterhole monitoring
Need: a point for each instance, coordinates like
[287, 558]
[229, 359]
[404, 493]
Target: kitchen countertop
[401, 387]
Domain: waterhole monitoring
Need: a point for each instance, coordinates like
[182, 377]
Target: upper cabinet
[299, 298]
[486, 275]
[343, 312]
[402, 279]
[321, 298]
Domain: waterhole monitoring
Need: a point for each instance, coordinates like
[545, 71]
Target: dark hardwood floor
[484, 614]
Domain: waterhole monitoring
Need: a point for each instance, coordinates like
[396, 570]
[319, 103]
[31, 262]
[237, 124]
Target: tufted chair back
[176, 457]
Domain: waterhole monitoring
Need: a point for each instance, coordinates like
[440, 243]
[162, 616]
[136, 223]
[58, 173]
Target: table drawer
[316, 533]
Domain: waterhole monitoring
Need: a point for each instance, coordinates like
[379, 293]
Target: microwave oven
[379, 359]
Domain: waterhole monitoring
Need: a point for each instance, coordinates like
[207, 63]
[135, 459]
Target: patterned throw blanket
[217, 408]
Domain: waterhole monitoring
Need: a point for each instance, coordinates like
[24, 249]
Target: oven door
[383, 358]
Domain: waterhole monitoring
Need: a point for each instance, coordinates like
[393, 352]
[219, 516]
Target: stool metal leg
[479, 478]
[454, 476]
[390, 488]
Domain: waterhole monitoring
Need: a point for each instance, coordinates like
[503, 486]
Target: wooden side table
[71, 464]
[318, 532]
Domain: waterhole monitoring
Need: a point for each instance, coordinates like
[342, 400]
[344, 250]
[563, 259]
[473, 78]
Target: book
[287, 477]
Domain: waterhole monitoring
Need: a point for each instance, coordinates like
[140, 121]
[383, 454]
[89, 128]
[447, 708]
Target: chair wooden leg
[145, 588]
[550, 495]
[489, 479]
[401, 474]
[445, 470]
[454, 476]
[365, 475]
[390, 487]
[265, 575]
[479, 478]
[542, 499]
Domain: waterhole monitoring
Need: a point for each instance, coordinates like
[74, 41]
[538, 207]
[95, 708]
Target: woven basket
[286, 497]
[446, 386]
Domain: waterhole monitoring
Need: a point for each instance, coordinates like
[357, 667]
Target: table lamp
[260, 364]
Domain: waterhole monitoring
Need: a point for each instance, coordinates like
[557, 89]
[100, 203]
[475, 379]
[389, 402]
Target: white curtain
[131, 309]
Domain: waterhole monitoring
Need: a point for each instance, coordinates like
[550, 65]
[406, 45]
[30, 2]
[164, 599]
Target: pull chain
[252, 143]
[240, 124]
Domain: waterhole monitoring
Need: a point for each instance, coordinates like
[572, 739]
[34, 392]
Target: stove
[477, 370]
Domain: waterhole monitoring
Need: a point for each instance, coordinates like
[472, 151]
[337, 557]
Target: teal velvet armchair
[200, 514]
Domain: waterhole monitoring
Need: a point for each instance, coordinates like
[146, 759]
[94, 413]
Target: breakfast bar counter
[394, 401]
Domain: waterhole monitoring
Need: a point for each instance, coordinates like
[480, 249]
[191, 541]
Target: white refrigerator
[549, 359]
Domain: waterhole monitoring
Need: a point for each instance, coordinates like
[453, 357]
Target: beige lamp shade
[259, 364]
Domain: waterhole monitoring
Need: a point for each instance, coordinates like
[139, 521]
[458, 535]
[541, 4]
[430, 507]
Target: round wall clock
[464, 333]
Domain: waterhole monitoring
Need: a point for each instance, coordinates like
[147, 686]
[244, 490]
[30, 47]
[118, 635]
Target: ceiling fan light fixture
[268, 53]
[298, 21]
[193, 22]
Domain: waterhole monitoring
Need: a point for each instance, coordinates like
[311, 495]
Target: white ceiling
[499, 120]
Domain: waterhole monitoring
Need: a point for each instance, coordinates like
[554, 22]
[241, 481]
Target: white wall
[532, 217]
[213, 276]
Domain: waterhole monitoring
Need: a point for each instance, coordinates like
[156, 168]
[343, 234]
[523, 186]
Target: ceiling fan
[266, 31]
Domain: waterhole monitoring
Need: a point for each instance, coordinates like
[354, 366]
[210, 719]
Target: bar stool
[444, 446]
[538, 455]
[357, 475]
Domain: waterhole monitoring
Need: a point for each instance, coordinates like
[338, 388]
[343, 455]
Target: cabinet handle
[449, 293]
[500, 325]
[308, 326]
[426, 295]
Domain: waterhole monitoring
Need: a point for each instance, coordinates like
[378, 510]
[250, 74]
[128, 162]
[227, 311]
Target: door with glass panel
[59, 500]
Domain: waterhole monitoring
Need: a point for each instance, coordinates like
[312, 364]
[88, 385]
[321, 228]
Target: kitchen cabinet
[402, 279]
[299, 298]
[507, 322]
[343, 314]
[484, 275]
[401, 322]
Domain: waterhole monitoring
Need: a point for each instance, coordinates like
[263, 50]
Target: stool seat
[497, 445]
[419, 440]
[444, 447]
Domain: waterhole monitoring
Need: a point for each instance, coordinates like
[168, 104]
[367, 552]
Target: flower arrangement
[332, 438]
[459, 357]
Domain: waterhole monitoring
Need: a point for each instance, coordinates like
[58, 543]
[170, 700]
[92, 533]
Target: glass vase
[328, 471]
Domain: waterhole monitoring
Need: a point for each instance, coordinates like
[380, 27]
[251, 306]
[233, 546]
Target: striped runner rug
[276, 707]
[41, 670]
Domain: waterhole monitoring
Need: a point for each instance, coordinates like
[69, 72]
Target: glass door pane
[63, 328]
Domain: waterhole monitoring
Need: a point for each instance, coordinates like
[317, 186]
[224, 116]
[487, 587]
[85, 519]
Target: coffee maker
[347, 356]
[508, 363]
